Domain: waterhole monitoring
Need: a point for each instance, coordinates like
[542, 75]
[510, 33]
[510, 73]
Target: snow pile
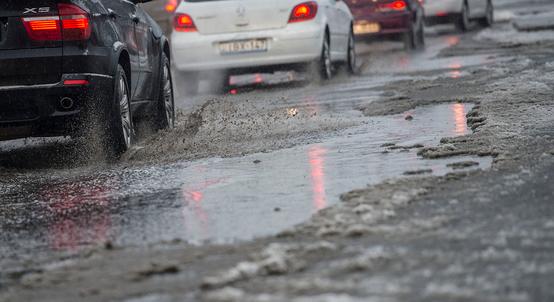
[509, 35]
[541, 21]
[276, 259]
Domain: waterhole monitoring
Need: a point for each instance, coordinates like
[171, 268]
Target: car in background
[459, 12]
[234, 37]
[392, 19]
[162, 11]
[90, 69]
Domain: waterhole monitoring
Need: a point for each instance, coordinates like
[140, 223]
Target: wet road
[222, 199]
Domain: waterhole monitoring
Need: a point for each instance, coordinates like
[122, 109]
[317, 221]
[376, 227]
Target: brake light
[303, 12]
[75, 82]
[71, 24]
[397, 5]
[75, 22]
[43, 28]
[184, 23]
[171, 6]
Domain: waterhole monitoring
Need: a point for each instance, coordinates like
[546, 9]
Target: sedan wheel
[326, 68]
[352, 56]
[463, 20]
[488, 20]
[166, 100]
[415, 38]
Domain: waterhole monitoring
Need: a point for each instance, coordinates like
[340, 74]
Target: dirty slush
[465, 234]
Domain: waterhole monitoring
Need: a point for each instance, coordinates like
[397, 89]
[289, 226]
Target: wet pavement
[238, 198]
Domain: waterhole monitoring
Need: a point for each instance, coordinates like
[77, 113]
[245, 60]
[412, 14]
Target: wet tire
[488, 20]
[165, 110]
[120, 129]
[352, 61]
[415, 38]
[107, 126]
[322, 68]
[421, 34]
[462, 20]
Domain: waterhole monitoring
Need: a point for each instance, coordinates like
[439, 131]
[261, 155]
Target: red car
[396, 19]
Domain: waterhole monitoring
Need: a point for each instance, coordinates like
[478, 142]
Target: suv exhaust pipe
[67, 103]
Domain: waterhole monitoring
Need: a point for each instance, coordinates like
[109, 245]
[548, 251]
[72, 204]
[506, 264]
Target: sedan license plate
[245, 46]
[366, 28]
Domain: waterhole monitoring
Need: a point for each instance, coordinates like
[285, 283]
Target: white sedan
[460, 12]
[240, 36]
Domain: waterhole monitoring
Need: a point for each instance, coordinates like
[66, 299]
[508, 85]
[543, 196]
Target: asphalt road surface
[266, 159]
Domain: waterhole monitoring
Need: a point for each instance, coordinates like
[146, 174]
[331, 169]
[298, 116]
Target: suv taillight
[184, 23]
[303, 12]
[75, 22]
[43, 28]
[71, 24]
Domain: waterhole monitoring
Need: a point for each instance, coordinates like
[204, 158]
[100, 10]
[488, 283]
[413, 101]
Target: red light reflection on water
[316, 156]
[452, 40]
[194, 197]
[459, 119]
[455, 70]
[80, 213]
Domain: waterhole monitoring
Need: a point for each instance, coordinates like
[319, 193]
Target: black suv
[80, 68]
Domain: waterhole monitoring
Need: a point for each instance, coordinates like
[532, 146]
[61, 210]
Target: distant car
[397, 19]
[459, 12]
[232, 37]
[162, 11]
[68, 66]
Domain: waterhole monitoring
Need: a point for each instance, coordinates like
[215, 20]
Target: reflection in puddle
[234, 198]
[229, 199]
[316, 156]
[196, 219]
[459, 119]
[80, 212]
[452, 40]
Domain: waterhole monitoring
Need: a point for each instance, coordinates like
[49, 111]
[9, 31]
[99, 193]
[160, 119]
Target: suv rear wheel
[120, 128]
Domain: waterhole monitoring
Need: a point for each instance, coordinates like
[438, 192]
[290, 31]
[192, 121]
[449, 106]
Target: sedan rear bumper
[396, 23]
[296, 43]
[442, 8]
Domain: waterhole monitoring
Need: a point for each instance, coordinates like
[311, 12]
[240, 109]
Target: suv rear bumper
[36, 110]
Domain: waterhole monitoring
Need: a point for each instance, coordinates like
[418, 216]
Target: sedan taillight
[71, 24]
[398, 5]
[184, 23]
[171, 6]
[303, 12]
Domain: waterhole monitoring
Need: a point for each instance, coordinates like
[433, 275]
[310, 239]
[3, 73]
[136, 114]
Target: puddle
[225, 200]
[393, 61]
